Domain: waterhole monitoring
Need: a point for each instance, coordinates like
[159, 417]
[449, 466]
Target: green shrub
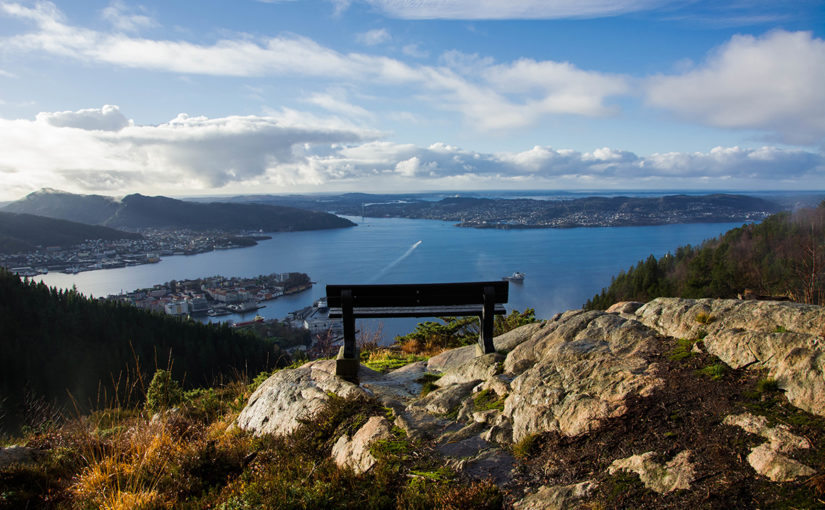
[704, 318]
[683, 349]
[163, 393]
[767, 385]
[486, 400]
[526, 446]
[715, 371]
[428, 382]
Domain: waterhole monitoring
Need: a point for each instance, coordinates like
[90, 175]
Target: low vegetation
[184, 451]
[430, 338]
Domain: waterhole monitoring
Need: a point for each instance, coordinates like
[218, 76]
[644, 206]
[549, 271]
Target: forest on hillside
[781, 257]
[62, 349]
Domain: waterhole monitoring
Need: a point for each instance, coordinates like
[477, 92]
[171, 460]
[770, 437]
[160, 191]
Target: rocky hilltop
[716, 403]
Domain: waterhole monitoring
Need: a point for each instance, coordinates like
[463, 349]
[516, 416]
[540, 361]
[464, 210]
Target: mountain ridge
[138, 211]
[21, 232]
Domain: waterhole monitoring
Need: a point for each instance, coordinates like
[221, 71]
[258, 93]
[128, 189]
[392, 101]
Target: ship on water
[517, 277]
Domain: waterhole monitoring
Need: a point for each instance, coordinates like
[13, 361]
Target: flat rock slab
[556, 497]
[676, 474]
[777, 467]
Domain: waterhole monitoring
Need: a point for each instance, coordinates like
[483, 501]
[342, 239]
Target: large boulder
[289, 396]
[578, 371]
[784, 338]
[354, 452]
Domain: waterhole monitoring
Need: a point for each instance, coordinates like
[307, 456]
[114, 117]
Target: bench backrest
[409, 295]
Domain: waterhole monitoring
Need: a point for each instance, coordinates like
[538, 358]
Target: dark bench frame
[349, 302]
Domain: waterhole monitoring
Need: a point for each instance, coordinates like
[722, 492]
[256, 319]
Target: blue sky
[224, 97]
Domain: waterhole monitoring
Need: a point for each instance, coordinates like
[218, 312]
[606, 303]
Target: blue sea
[563, 267]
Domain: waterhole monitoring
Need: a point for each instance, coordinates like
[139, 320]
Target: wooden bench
[349, 302]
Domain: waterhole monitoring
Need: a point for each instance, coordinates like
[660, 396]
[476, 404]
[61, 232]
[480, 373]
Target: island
[216, 295]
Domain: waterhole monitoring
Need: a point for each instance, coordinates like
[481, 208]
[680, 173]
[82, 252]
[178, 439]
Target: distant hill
[557, 212]
[139, 211]
[24, 232]
[783, 256]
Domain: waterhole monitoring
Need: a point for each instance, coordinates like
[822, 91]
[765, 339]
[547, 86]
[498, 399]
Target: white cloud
[374, 37]
[772, 83]
[7, 74]
[70, 150]
[107, 118]
[510, 9]
[557, 87]
[486, 94]
[125, 19]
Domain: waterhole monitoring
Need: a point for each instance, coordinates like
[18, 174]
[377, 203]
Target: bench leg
[487, 321]
[347, 362]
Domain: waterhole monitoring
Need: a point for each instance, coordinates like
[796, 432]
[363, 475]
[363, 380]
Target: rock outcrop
[569, 376]
[784, 338]
[279, 405]
[577, 371]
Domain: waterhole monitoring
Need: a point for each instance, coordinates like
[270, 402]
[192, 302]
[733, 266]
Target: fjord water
[564, 267]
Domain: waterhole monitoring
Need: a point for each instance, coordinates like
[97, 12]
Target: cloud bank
[95, 150]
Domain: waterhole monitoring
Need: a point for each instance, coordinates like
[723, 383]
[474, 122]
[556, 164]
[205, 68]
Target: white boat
[515, 277]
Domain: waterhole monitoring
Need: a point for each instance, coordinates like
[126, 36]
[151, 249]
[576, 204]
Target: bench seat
[484, 300]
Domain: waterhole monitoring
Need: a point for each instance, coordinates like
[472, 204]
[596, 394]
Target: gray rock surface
[783, 337]
[454, 358]
[777, 467]
[578, 371]
[479, 368]
[289, 396]
[556, 497]
[676, 474]
[769, 459]
[354, 453]
[779, 437]
[18, 455]
[444, 399]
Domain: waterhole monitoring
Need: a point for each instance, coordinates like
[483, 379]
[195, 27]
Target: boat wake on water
[395, 262]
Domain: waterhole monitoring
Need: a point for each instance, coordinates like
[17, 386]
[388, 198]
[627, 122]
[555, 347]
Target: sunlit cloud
[87, 151]
[772, 83]
[486, 94]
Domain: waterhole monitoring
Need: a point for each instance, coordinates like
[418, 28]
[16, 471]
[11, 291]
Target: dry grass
[429, 347]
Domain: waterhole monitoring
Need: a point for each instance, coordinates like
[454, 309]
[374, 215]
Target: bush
[163, 393]
[715, 371]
